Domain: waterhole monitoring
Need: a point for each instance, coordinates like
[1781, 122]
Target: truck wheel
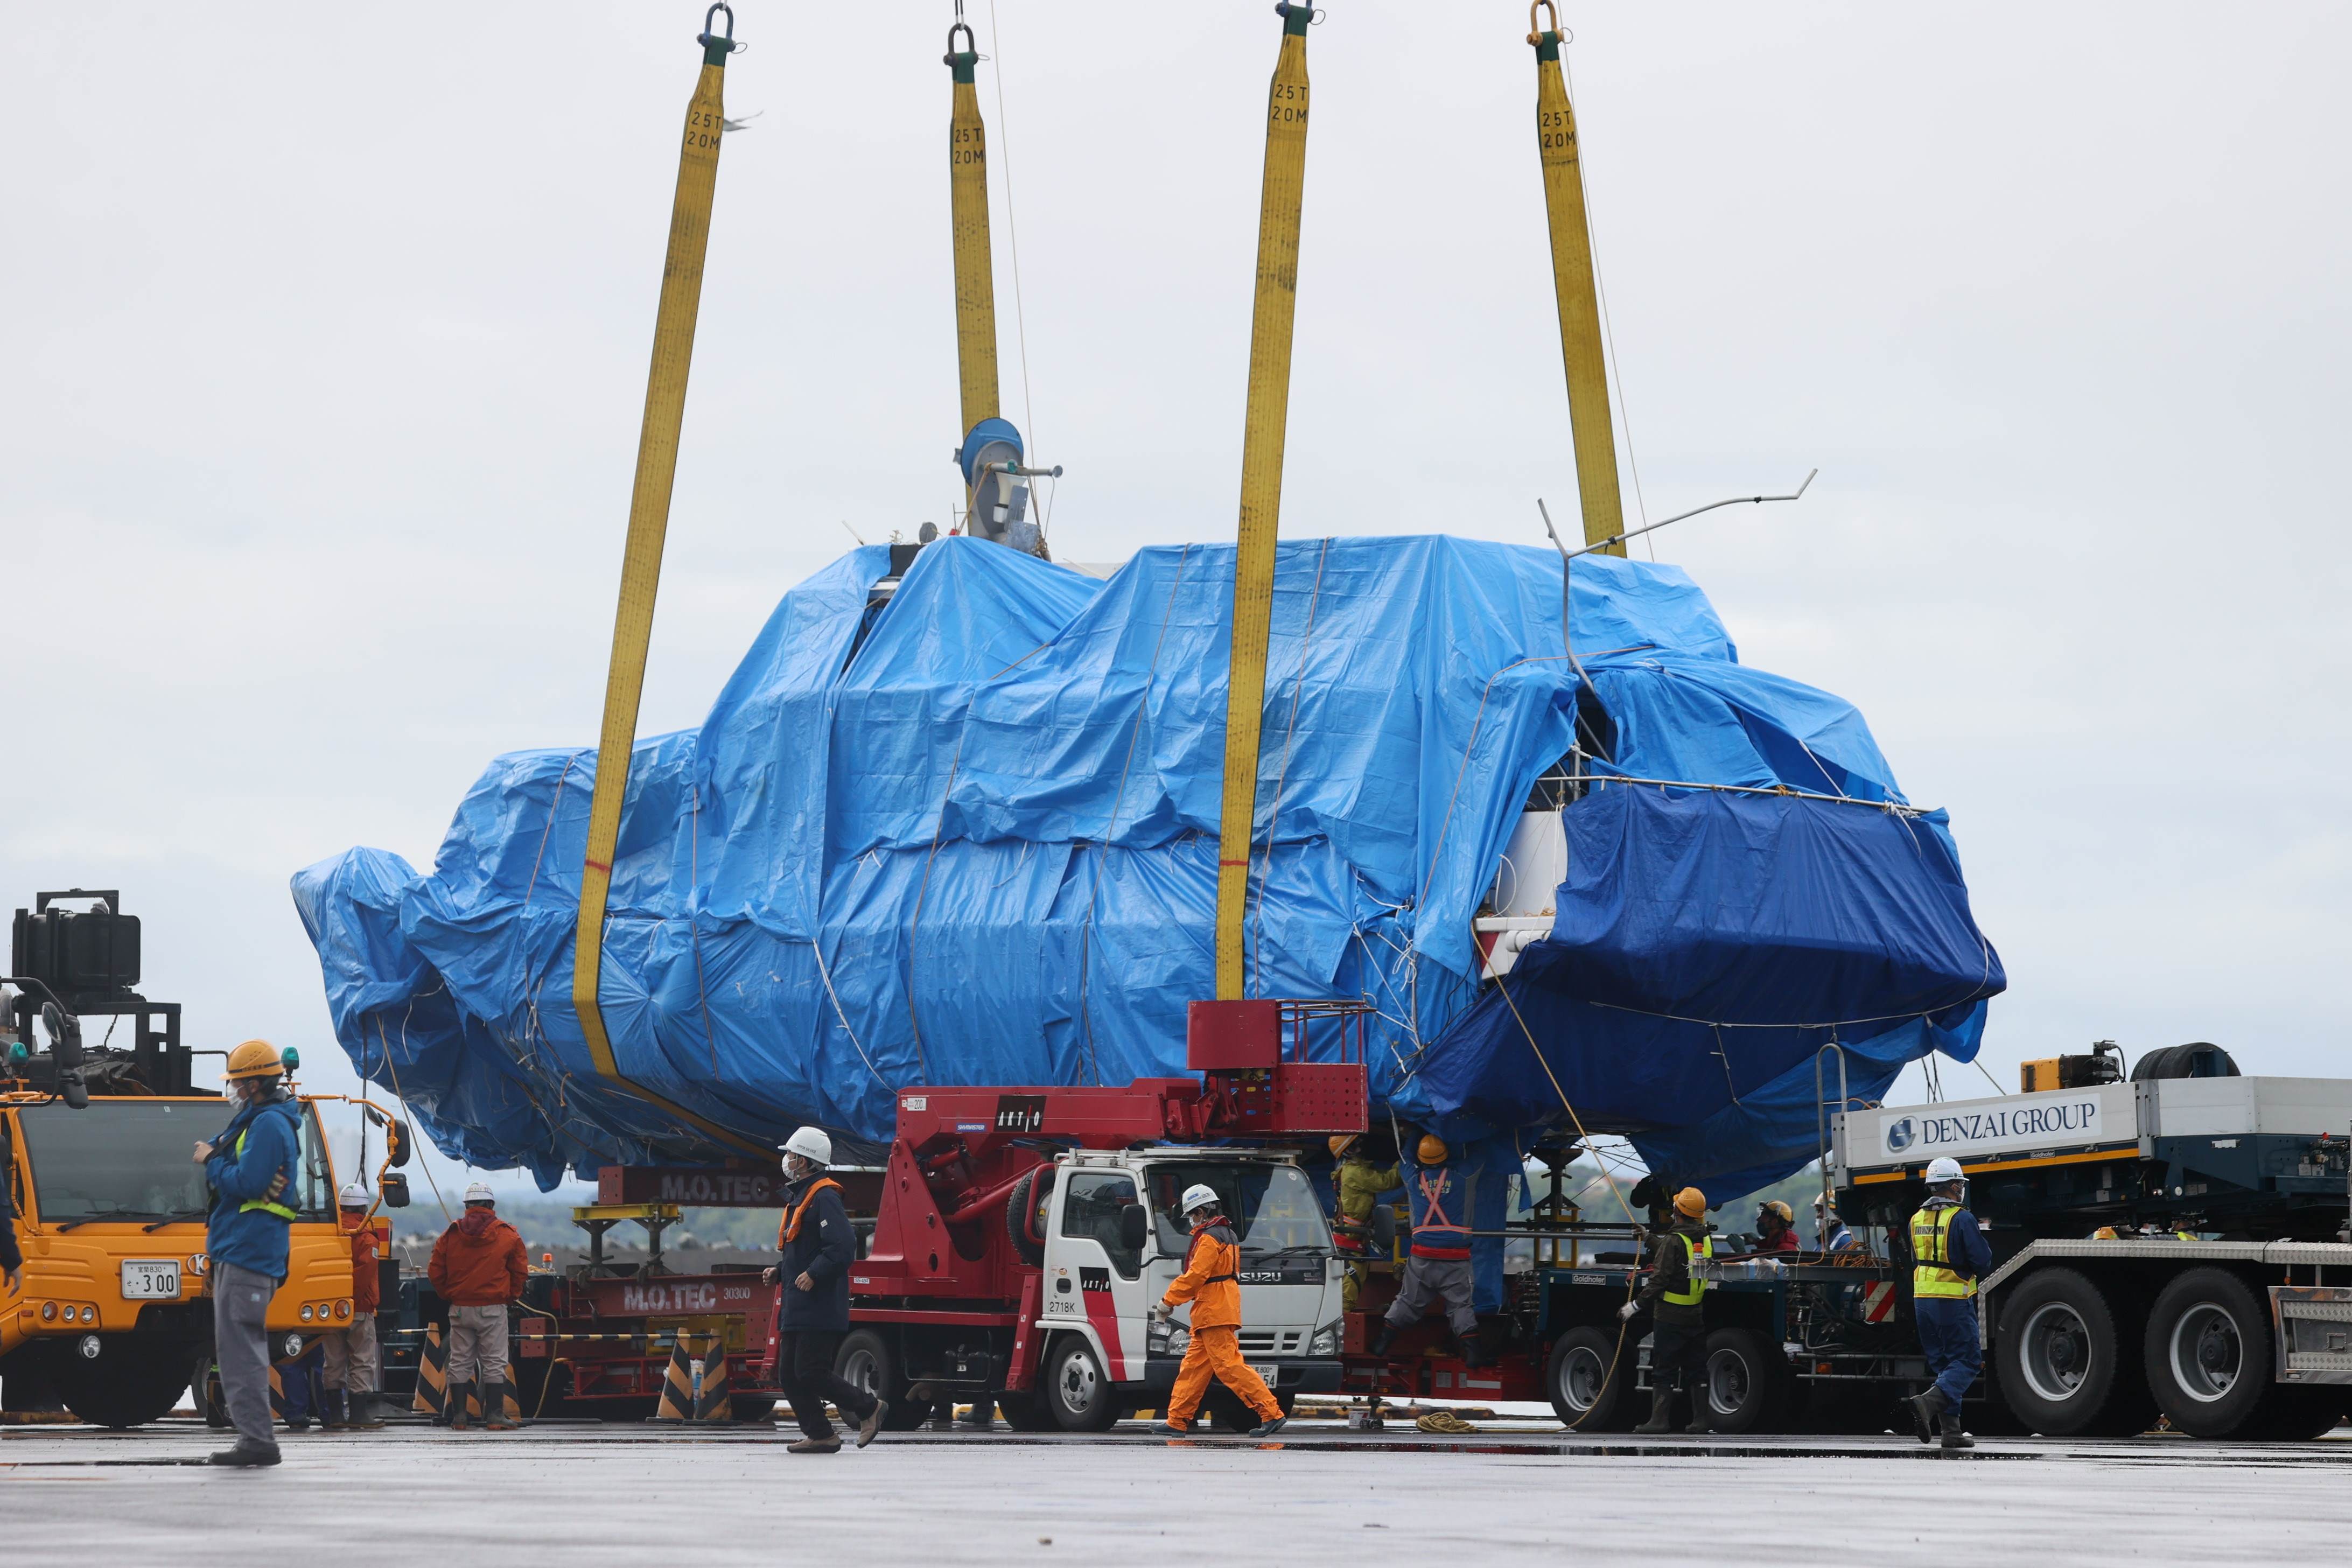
[1078, 1392]
[1024, 1215]
[2209, 1353]
[865, 1362]
[2066, 1366]
[130, 1383]
[1588, 1392]
[1746, 1379]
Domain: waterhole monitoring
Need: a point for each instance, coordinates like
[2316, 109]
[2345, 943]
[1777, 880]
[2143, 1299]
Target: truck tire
[1076, 1392]
[2209, 1353]
[2067, 1362]
[1587, 1380]
[132, 1381]
[1024, 1215]
[1746, 1381]
[867, 1361]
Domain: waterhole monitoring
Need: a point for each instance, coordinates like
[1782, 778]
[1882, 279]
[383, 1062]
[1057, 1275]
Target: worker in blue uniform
[251, 1167]
[1949, 1259]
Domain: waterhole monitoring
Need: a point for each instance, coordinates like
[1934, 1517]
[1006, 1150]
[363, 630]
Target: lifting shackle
[1572, 283]
[975, 273]
[1264, 425]
[657, 441]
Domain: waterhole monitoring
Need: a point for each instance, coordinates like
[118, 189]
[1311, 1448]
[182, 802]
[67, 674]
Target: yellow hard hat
[1787, 1213]
[255, 1059]
[1343, 1141]
[1431, 1150]
[1690, 1203]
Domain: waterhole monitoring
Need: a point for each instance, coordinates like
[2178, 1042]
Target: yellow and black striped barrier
[432, 1373]
[695, 1389]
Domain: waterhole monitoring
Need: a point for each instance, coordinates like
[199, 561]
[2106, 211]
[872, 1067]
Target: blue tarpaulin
[969, 835]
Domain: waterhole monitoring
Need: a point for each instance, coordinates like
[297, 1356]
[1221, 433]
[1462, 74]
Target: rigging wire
[1600, 295]
[1013, 234]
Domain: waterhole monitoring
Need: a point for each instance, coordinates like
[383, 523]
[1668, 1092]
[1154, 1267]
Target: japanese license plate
[150, 1278]
[1267, 1372]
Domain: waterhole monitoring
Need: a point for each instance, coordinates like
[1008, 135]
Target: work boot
[1662, 1410]
[337, 1416]
[871, 1427]
[1268, 1426]
[244, 1456]
[981, 1416]
[1955, 1439]
[365, 1416]
[815, 1446]
[1925, 1410]
[1173, 1428]
[1383, 1340]
[460, 1394]
[1702, 1418]
[494, 1408]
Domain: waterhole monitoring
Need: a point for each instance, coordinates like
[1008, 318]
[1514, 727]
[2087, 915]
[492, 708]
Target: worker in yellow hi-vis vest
[1677, 1298]
[251, 1167]
[1949, 1255]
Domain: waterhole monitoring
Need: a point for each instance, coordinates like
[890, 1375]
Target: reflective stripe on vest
[265, 1206]
[1931, 1251]
[1694, 1287]
[1434, 1228]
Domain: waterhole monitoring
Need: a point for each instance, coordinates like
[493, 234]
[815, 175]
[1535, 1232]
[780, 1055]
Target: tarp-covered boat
[966, 833]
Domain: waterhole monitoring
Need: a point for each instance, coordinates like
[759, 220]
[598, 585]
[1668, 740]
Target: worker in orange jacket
[1210, 1281]
[478, 1266]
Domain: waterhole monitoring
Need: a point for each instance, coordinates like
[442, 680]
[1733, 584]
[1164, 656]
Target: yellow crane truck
[112, 1318]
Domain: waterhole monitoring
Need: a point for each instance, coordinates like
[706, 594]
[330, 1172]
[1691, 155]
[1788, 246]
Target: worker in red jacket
[1775, 1223]
[350, 1372]
[1210, 1281]
[478, 1267]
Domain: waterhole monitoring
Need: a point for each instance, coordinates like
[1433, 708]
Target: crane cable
[657, 443]
[1264, 425]
[1575, 290]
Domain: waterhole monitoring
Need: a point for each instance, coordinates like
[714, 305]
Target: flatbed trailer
[2172, 1245]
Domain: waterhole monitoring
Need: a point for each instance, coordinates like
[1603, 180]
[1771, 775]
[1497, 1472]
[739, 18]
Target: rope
[402, 1095]
[818, 949]
[1282, 773]
[694, 928]
[1623, 1325]
[553, 806]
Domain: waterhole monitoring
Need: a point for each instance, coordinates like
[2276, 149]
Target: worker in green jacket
[1360, 1184]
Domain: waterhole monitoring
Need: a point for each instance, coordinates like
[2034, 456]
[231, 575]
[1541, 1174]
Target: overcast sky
[324, 354]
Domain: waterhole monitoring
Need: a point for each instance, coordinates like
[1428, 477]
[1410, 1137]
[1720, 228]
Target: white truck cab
[1114, 1242]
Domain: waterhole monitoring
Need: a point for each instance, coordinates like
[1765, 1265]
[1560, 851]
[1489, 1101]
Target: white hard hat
[1944, 1170]
[1200, 1195]
[355, 1197]
[479, 1193]
[811, 1143]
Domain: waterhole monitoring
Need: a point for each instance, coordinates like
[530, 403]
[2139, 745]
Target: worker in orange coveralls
[1210, 1282]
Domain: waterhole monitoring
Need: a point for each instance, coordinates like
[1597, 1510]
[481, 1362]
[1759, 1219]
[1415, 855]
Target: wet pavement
[1514, 1491]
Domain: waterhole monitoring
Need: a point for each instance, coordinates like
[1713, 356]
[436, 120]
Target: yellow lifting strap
[975, 272]
[681, 297]
[1572, 276]
[1262, 433]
